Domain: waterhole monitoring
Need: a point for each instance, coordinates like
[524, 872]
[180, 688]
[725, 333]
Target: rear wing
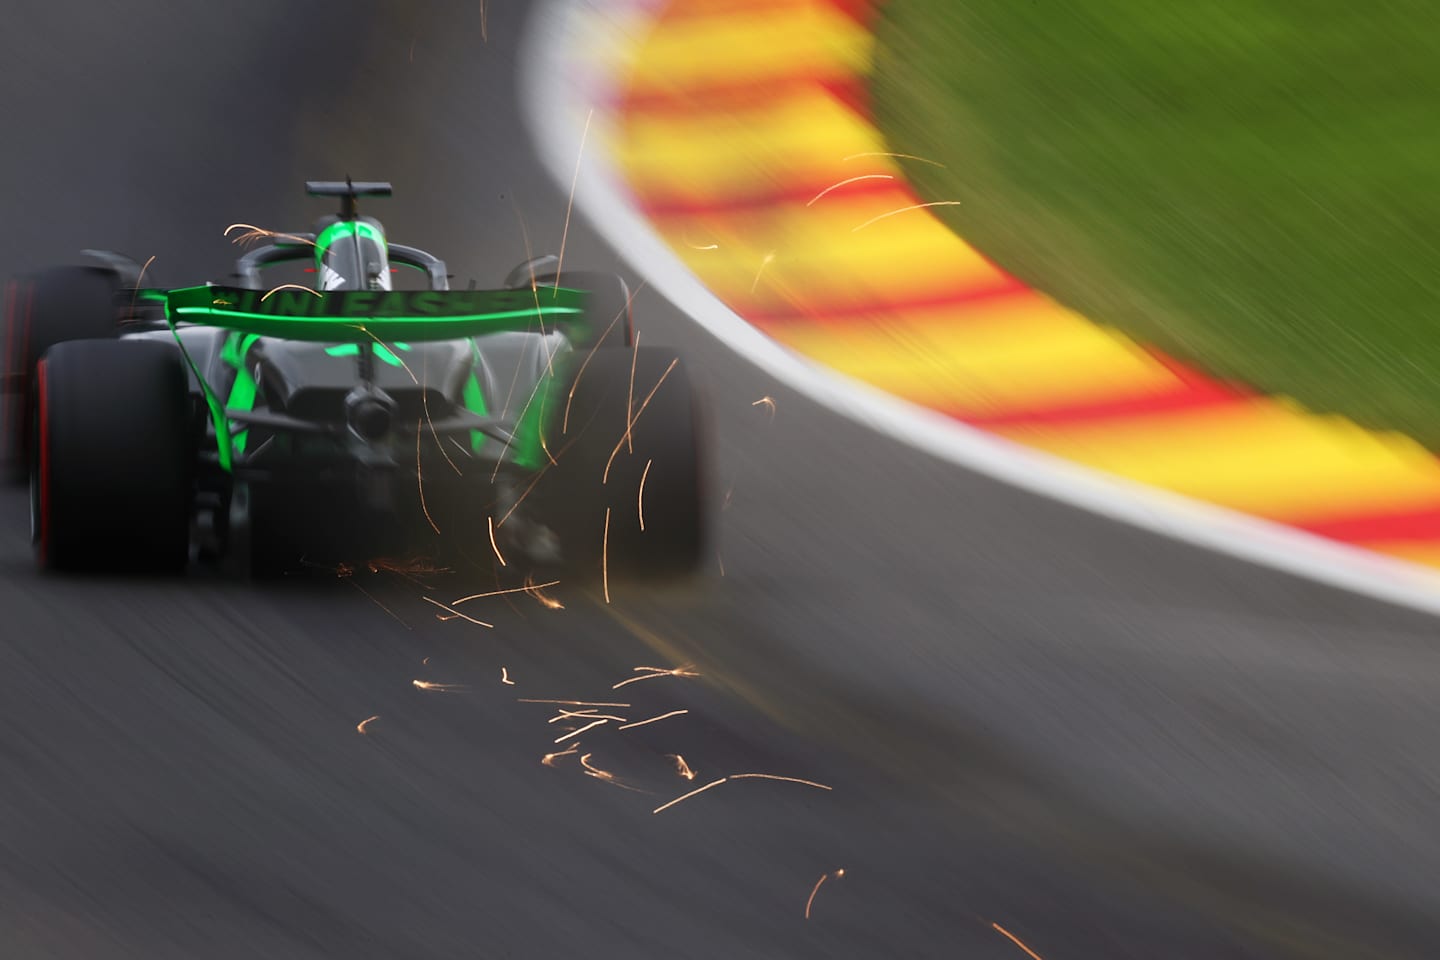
[299, 313]
[348, 188]
[349, 193]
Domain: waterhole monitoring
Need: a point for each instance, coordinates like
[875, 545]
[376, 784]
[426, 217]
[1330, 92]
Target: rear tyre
[111, 485]
[41, 310]
[632, 509]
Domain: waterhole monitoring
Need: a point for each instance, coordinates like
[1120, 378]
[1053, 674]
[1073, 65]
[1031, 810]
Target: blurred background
[1019, 726]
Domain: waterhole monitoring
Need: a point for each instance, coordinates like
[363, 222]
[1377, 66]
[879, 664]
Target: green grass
[1253, 185]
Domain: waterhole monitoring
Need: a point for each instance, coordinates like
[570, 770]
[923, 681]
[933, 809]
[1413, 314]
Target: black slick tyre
[41, 310]
[628, 507]
[111, 486]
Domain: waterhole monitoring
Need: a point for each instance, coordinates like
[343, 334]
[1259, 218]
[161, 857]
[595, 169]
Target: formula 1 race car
[291, 423]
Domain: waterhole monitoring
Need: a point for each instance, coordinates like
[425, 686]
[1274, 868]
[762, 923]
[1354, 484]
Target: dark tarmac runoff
[989, 726]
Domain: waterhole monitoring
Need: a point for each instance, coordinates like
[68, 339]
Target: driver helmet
[352, 254]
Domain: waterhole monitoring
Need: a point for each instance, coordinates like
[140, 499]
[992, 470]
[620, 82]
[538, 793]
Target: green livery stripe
[242, 391]
[345, 228]
[212, 403]
[382, 352]
[528, 448]
[360, 315]
[474, 399]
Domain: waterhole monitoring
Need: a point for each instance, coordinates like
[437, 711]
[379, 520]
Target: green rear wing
[298, 313]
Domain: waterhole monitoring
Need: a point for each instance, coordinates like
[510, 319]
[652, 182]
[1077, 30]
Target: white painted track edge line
[560, 84]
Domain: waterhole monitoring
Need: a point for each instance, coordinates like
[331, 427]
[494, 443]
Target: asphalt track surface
[1111, 745]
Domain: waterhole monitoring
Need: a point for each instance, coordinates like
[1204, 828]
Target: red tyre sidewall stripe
[43, 402]
[26, 330]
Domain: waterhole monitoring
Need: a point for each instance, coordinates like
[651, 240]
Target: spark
[572, 703]
[505, 676]
[586, 714]
[814, 891]
[842, 183]
[630, 397]
[772, 776]
[490, 523]
[764, 262]
[441, 687]
[605, 558]
[725, 500]
[838, 874]
[604, 477]
[253, 233]
[535, 296]
[663, 716]
[721, 561]
[395, 354]
[605, 775]
[420, 481]
[768, 402]
[289, 286]
[688, 670]
[739, 776]
[360, 727]
[549, 603]
[1016, 940]
[903, 156]
[687, 796]
[419, 471]
[560, 260]
[640, 498]
[575, 384]
[484, 37]
[595, 771]
[469, 619]
[389, 565]
[702, 246]
[425, 662]
[515, 376]
[545, 446]
[521, 499]
[412, 49]
[540, 384]
[425, 405]
[414, 565]
[570, 397]
[501, 593]
[681, 767]
[377, 603]
[576, 733]
[913, 206]
[550, 758]
[403, 568]
[139, 280]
